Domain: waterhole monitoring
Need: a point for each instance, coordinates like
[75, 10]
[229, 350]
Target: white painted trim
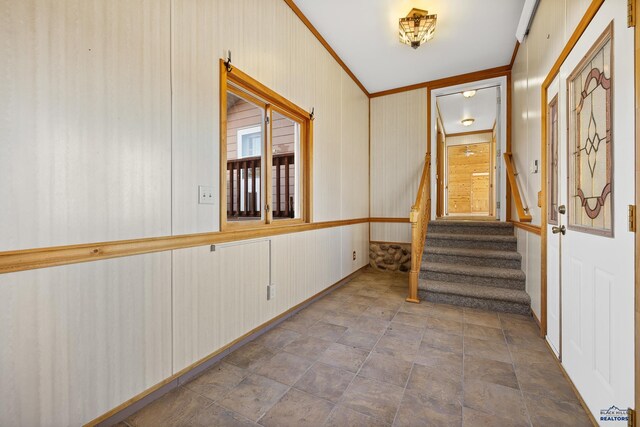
[501, 132]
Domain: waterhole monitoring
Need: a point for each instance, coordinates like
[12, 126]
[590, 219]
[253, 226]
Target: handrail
[419, 218]
[523, 212]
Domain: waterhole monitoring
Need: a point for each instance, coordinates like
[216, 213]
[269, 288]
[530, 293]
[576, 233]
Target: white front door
[596, 109]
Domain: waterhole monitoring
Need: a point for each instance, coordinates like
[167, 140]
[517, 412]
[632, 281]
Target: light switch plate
[205, 195]
[534, 166]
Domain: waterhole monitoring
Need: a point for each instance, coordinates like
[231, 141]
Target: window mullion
[268, 167]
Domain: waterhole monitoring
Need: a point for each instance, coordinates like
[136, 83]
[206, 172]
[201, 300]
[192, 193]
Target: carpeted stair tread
[472, 291]
[471, 227]
[473, 270]
[472, 237]
[473, 264]
[472, 253]
[467, 223]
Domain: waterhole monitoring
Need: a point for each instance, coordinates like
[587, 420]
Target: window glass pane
[553, 163]
[590, 207]
[286, 167]
[245, 139]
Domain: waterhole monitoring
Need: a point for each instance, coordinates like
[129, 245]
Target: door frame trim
[636, 58]
[459, 80]
[590, 13]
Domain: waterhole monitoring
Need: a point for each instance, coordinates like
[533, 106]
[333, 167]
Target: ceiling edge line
[515, 53]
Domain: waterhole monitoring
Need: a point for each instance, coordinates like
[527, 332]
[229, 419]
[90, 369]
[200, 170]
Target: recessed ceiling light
[467, 122]
[468, 93]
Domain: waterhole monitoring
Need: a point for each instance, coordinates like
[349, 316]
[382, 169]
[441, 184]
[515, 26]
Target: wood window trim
[247, 87]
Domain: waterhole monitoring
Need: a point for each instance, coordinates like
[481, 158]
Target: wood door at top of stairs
[597, 252]
[468, 178]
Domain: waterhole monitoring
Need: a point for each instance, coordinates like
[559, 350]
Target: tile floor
[362, 356]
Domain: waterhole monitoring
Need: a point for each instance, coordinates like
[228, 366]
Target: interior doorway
[468, 128]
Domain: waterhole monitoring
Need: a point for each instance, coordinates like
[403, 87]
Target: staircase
[473, 264]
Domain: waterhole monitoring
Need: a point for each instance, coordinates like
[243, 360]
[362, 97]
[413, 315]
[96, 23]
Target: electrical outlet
[354, 255]
[271, 292]
[205, 195]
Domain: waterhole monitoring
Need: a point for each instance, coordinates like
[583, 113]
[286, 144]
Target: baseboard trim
[573, 386]
[133, 405]
[533, 314]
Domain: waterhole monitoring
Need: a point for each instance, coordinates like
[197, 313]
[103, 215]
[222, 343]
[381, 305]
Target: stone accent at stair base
[390, 256]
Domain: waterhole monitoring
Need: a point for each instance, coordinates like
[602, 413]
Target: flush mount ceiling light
[467, 122]
[469, 93]
[417, 28]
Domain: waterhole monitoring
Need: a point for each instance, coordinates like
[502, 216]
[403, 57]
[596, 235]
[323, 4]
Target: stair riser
[485, 231]
[471, 244]
[465, 260]
[484, 304]
[475, 280]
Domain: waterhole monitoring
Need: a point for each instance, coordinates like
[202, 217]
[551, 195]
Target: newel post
[415, 257]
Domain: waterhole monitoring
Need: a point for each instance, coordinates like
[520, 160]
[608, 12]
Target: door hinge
[632, 218]
[631, 417]
[631, 13]
[266, 119]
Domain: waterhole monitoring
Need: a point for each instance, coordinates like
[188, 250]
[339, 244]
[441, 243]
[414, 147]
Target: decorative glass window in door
[591, 140]
[552, 156]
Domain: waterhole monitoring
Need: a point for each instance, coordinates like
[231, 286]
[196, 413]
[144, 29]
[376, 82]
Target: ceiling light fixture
[417, 28]
[467, 122]
[469, 93]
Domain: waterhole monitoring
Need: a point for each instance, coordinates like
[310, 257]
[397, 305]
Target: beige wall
[110, 122]
[398, 147]
[553, 24]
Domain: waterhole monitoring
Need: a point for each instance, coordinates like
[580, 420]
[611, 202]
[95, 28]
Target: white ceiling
[481, 107]
[471, 35]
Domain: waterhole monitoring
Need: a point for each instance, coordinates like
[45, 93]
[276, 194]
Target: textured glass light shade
[417, 28]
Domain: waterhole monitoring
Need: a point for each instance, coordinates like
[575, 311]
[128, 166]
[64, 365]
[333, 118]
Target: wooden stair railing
[523, 212]
[419, 218]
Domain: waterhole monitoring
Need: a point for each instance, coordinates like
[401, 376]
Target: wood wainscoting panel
[80, 339]
[354, 239]
[221, 295]
[391, 232]
[217, 296]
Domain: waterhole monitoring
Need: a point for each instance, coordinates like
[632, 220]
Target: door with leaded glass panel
[596, 184]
